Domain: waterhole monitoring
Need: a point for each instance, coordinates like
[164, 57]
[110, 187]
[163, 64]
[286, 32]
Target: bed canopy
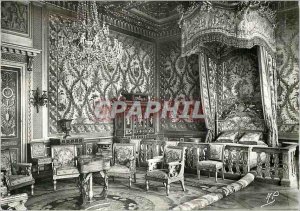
[218, 32]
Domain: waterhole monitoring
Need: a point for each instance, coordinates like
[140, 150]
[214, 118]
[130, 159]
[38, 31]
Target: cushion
[215, 151]
[228, 137]
[118, 169]
[209, 164]
[66, 171]
[20, 179]
[45, 160]
[160, 174]
[251, 138]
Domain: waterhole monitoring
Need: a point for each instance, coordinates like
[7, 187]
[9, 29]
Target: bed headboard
[241, 120]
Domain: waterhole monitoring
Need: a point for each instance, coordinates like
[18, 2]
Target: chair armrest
[22, 168]
[23, 164]
[152, 163]
[174, 163]
[158, 157]
[132, 163]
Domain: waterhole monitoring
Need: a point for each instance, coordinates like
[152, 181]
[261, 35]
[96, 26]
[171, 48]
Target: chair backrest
[216, 152]
[38, 149]
[122, 153]
[5, 160]
[137, 143]
[174, 153]
[63, 155]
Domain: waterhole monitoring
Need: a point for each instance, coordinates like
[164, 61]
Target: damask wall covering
[287, 38]
[74, 85]
[179, 78]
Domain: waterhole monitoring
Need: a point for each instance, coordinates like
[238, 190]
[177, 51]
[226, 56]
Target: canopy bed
[235, 45]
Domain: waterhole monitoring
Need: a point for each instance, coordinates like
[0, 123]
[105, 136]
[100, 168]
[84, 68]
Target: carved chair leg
[164, 184]
[134, 176]
[216, 175]
[130, 182]
[54, 185]
[147, 185]
[32, 186]
[198, 173]
[38, 169]
[168, 188]
[223, 173]
[182, 184]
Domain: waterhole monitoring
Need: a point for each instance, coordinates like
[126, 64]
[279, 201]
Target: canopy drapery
[239, 25]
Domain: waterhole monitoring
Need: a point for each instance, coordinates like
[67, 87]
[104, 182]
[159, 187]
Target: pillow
[251, 138]
[228, 137]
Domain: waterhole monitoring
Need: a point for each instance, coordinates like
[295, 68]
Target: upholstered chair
[173, 161]
[39, 155]
[16, 175]
[213, 159]
[64, 162]
[123, 162]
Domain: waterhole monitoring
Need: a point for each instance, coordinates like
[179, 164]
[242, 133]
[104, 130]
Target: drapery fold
[268, 81]
[208, 94]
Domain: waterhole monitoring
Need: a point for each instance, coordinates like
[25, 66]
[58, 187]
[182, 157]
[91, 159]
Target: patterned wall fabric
[178, 75]
[74, 85]
[14, 16]
[287, 62]
[240, 84]
[179, 78]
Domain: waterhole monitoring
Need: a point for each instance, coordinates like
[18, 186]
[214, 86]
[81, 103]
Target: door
[11, 110]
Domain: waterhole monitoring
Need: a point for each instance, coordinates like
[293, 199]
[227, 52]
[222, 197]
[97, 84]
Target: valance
[242, 25]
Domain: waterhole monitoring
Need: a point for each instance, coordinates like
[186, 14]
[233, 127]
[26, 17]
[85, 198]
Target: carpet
[119, 195]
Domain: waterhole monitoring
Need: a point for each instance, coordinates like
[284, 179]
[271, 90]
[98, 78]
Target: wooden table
[87, 165]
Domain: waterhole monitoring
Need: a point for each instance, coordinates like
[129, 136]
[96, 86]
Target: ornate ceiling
[153, 19]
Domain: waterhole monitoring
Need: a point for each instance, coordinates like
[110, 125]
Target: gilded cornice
[120, 16]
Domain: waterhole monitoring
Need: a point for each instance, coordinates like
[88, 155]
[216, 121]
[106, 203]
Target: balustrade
[270, 163]
[278, 165]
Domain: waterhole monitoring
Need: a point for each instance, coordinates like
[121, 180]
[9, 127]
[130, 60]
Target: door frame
[25, 107]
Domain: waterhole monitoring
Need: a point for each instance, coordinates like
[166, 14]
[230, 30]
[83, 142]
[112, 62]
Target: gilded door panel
[10, 108]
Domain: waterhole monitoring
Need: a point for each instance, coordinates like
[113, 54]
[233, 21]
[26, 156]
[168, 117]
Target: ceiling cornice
[121, 16]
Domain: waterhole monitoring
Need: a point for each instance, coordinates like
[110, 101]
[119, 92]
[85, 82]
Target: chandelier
[94, 36]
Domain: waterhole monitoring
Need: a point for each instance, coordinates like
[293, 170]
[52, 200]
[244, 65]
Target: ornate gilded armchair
[212, 159]
[64, 162]
[39, 156]
[173, 160]
[16, 175]
[123, 162]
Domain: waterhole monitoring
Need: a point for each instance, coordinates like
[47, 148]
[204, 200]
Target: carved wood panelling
[9, 103]
[15, 16]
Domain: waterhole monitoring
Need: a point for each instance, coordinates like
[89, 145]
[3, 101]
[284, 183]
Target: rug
[120, 196]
